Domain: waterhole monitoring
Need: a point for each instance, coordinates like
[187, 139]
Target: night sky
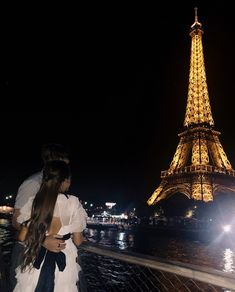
[110, 82]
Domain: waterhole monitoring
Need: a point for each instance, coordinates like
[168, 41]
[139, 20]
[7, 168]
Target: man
[28, 189]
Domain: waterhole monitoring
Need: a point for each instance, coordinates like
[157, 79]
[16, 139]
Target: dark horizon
[114, 90]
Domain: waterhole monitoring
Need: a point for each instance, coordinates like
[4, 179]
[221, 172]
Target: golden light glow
[198, 110]
[154, 196]
[202, 189]
[199, 154]
[189, 214]
[219, 156]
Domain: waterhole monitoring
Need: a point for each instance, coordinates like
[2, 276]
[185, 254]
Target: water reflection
[228, 260]
[121, 235]
[6, 238]
[110, 237]
[131, 240]
[216, 255]
[4, 222]
[122, 240]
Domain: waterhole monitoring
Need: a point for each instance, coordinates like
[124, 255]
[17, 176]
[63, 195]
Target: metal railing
[106, 269]
[198, 169]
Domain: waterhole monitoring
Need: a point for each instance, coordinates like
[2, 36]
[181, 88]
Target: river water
[218, 254]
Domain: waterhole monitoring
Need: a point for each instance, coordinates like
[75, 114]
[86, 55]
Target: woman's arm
[77, 238]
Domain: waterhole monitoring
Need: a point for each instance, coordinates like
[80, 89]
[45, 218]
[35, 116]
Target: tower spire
[196, 23]
[196, 18]
[198, 110]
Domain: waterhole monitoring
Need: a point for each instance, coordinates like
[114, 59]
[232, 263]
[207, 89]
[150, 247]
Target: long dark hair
[54, 173]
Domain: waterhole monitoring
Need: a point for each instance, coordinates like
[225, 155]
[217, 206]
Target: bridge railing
[108, 270]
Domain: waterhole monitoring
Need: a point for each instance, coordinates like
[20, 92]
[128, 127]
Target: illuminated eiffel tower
[200, 168]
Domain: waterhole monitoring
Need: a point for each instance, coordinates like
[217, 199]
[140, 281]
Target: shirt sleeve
[25, 212]
[27, 189]
[79, 217]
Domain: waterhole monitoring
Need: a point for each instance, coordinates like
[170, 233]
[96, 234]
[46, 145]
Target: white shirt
[28, 189]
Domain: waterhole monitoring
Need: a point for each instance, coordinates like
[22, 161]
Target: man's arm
[23, 233]
[27, 190]
[53, 243]
[15, 224]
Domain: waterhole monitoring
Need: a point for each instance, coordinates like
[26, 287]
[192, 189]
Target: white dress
[73, 219]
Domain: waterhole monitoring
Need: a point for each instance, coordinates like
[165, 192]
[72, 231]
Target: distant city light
[189, 214]
[123, 216]
[6, 209]
[8, 197]
[110, 205]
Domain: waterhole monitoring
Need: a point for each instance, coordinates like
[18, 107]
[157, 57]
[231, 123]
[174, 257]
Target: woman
[51, 213]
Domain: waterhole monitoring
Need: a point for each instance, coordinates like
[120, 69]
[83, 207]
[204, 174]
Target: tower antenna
[196, 17]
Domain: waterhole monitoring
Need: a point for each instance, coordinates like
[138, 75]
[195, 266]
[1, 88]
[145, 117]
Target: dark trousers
[3, 278]
[16, 259]
[82, 286]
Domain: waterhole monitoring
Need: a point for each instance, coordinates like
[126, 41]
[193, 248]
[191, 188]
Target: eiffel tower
[200, 169]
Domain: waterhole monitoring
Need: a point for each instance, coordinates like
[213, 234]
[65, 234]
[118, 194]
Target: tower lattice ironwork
[200, 168]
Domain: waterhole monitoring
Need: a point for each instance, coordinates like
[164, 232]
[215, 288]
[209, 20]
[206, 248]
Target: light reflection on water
[218, 255]
[228, 260]
[121, 241]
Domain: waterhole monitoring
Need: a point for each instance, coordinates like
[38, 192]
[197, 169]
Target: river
[218, 254]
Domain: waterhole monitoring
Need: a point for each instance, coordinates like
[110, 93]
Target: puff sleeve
[79, 216]
[25, 211]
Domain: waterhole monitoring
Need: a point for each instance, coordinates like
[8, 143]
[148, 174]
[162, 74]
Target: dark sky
[110, 81]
